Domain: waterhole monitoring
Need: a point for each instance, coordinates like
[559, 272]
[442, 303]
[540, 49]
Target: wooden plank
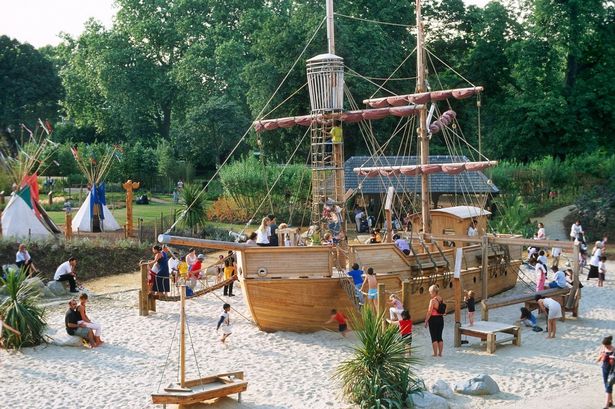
[188, 398]
[516, 299]
[564, 245]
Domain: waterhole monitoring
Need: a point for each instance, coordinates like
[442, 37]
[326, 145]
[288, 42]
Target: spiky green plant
[21, 311]
[195, 205]
[378, 374]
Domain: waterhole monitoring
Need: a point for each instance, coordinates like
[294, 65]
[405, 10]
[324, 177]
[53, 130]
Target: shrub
[194, 206]
[378, 374]
[20, 311]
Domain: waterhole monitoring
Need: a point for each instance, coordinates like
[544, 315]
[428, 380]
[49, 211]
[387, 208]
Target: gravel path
[554, 223]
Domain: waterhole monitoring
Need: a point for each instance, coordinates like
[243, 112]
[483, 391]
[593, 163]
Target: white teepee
[20, 221]
[85, 221]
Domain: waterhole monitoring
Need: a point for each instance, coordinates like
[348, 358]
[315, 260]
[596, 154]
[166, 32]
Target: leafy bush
[20, 311]
[378, 374]
[513, 216]
[226, 210]
[194, 206]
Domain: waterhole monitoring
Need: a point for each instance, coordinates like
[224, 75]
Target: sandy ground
[287, 370]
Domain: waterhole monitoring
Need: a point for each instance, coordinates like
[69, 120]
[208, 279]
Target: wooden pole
[381, 299]
[457, 291]
[485, 268]
[405, 294]
[68, 225]
[144, 291]
[422, 129]
[387, 210]
[575, 292]
[182, 339]
[129, 186]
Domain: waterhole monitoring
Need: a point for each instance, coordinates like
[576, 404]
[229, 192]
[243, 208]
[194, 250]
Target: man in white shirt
[67, 271]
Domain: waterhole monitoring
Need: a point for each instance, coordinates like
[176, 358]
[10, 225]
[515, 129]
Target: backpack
[441, 307]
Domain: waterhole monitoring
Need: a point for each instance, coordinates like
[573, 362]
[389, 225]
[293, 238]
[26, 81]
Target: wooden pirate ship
[293, 288]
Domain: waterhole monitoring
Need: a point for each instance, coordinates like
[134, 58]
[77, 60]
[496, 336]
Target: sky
[39, 22]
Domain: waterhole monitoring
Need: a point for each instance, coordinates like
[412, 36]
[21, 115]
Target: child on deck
[601, 271]
[225, 322]
[182, 268]
[341, 321]
[527, 318]
[95, 327]
[471, 303]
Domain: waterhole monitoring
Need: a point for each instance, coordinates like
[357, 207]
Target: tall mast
[422, 131]
[330, 30]
[325, 75]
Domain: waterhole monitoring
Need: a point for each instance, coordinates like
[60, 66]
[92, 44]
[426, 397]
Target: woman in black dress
[160, 267]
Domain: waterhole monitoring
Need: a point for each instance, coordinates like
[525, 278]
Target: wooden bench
[558, 294]
[487, 331]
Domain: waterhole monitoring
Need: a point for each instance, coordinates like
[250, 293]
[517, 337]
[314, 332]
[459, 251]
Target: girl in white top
[601, 271]
[262, 233]
[396, 308]
[555, 312]
[594, 261]
[575, 230]
[541, 234]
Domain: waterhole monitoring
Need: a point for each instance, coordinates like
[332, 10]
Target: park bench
[558, 294]
[488, 331]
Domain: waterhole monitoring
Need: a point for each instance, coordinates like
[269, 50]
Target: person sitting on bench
[559, 279]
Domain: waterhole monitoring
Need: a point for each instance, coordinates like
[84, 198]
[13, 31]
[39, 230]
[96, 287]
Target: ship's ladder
[349, 288]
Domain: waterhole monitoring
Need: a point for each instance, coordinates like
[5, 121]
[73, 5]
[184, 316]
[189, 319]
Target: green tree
[30, 87]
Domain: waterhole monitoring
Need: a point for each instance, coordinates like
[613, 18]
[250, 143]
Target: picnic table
[489, 331]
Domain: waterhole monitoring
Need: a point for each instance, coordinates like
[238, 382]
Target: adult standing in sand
[607, 357]
[594, 261]
[372, 287]
[160, 267]
[553, 309]
[435, 320]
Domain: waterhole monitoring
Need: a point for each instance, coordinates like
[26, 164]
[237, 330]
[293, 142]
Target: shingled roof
[465, 182]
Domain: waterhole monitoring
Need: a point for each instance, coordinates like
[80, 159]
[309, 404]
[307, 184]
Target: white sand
[287, 370]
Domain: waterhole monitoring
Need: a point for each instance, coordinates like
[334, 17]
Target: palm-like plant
[20, 311]
[194, 207]
[378, 374]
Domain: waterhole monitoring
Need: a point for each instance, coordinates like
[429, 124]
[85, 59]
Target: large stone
[442, 388]
[57, 288]
[427, 400]
[479, 385]
[37, 283]
[61, 338]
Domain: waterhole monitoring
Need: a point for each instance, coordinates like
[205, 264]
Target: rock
[3, 290]
[37, 283]
[442, 388]
[479, 385]
[427, 400]
[61, 338]
[57, 288]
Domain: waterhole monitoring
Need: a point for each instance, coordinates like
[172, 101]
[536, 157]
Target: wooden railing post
[68, 226]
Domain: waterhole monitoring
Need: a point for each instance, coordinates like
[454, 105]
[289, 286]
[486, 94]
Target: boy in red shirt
[341, 321]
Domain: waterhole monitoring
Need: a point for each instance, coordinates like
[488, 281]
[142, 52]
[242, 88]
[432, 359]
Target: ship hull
[289, 295]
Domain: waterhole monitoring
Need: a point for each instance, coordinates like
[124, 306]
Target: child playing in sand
[396, 307]
[95, 327]
[342, 324]
[471, 303]
[225, 323]
[405, 329]
[601, 271]
[527, 318]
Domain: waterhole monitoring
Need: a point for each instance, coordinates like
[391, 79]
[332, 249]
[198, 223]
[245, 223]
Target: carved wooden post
[129, 186]
[68, 225]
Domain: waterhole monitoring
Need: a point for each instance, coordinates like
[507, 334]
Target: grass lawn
[150, 213]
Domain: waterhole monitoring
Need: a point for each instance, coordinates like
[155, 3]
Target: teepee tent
[94, 215]
[24, 217]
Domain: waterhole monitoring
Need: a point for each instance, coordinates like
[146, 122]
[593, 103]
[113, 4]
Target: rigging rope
[386, 23]
[185, 211]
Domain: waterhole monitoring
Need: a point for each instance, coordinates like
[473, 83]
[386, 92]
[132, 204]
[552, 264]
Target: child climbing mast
[225, 323]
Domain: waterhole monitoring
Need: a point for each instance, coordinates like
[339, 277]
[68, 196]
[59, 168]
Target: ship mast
[423, 136]
[325, 75]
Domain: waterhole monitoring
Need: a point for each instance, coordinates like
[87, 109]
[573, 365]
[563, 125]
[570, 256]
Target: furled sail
[347, 116]
[414, 170]
[422, 98]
